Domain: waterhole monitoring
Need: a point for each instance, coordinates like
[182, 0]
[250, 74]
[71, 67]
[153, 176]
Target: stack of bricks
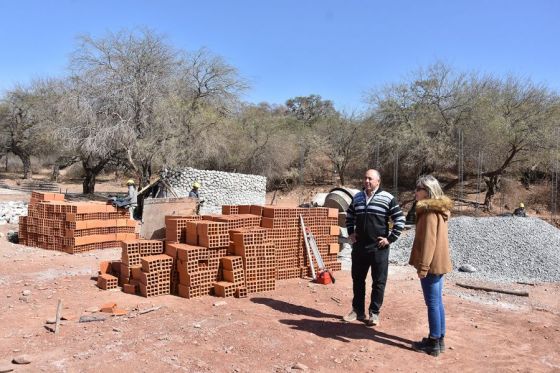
[108, 276]
[75, 227]
[212, 238]
[284, 231]
[243, 251]
[155, 277]
[259, 257]
[233, 278]
[208, 233]
[196, 246]
[175, 227]
[195, 269]
[323, 224]
[144, 269]
[175, 232]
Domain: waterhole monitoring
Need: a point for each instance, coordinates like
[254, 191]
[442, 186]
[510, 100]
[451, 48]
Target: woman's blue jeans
[432, 287]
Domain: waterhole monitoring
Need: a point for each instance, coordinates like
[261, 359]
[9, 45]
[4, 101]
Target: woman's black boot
[429, 345]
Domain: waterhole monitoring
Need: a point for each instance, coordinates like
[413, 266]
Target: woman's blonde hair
[431, 185]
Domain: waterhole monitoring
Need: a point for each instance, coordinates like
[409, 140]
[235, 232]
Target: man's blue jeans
[432, 287]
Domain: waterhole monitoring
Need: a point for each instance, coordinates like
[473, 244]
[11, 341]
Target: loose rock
[22, 359]
[502, 249]
[299, 366]
[467, 268]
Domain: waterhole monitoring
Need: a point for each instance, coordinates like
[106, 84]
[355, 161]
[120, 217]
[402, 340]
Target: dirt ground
[296, 327]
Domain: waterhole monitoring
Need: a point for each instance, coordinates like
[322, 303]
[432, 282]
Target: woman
[430, 257]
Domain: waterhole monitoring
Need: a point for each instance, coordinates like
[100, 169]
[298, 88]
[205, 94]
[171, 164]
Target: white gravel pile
[218, 188]
[501, 249]
[11, 211]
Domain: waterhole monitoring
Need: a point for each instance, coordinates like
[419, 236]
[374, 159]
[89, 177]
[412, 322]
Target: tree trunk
[341, 171]
[55, 173]
[493, 183]
[60, 164]
[89, 181]
[493, 178]
[91, 174]
[25, 159]
[26, 167]
[146, 174]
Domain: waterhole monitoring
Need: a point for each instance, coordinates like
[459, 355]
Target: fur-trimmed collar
[439, 206]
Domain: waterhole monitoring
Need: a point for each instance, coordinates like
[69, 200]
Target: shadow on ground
[332, 329]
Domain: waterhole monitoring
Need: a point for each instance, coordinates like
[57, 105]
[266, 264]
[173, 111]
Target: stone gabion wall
[217, 188]
[11, 211]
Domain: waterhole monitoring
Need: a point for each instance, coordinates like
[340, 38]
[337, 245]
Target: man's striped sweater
[370, 221]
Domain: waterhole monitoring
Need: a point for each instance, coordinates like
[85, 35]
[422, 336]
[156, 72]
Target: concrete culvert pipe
[340, 198]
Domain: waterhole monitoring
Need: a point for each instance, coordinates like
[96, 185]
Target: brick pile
[144, 269]
[155, 277]
[109, 273]
[175, 232]
[233, 275]
[243, 251]
[73, 227]
[175, 227]
[197, 268]
[284, 231]
[197, 244]
[258, 255]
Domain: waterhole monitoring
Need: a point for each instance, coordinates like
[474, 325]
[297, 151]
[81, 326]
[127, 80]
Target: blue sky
[337, 49]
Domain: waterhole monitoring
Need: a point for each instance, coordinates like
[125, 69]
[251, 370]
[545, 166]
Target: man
[367, 221]
[520, 211]
[194, 191]
[132, 197]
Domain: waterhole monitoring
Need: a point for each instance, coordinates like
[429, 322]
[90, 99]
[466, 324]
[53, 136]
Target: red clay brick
[108, 307]
[129, 288]
[104, 267]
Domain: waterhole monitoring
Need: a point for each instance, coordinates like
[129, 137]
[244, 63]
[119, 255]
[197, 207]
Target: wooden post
[519, 293]
[58, 315]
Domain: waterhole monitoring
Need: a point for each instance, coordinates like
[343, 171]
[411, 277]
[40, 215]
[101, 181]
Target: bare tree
[342, 140]
[512, 119]
[129, 74]
[88, 130]
[160, 99]
[258, 141]
[25, 116]
[204, 94]
[419, 117]
[307, 111]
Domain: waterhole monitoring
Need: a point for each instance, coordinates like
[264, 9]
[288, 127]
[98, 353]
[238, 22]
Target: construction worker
[132, 197]
[194, 191]
[520, 211]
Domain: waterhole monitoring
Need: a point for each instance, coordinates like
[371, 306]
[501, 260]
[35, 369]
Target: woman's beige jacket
[430, 250]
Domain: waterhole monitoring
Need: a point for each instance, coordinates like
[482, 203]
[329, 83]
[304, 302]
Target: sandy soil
[297, 326]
